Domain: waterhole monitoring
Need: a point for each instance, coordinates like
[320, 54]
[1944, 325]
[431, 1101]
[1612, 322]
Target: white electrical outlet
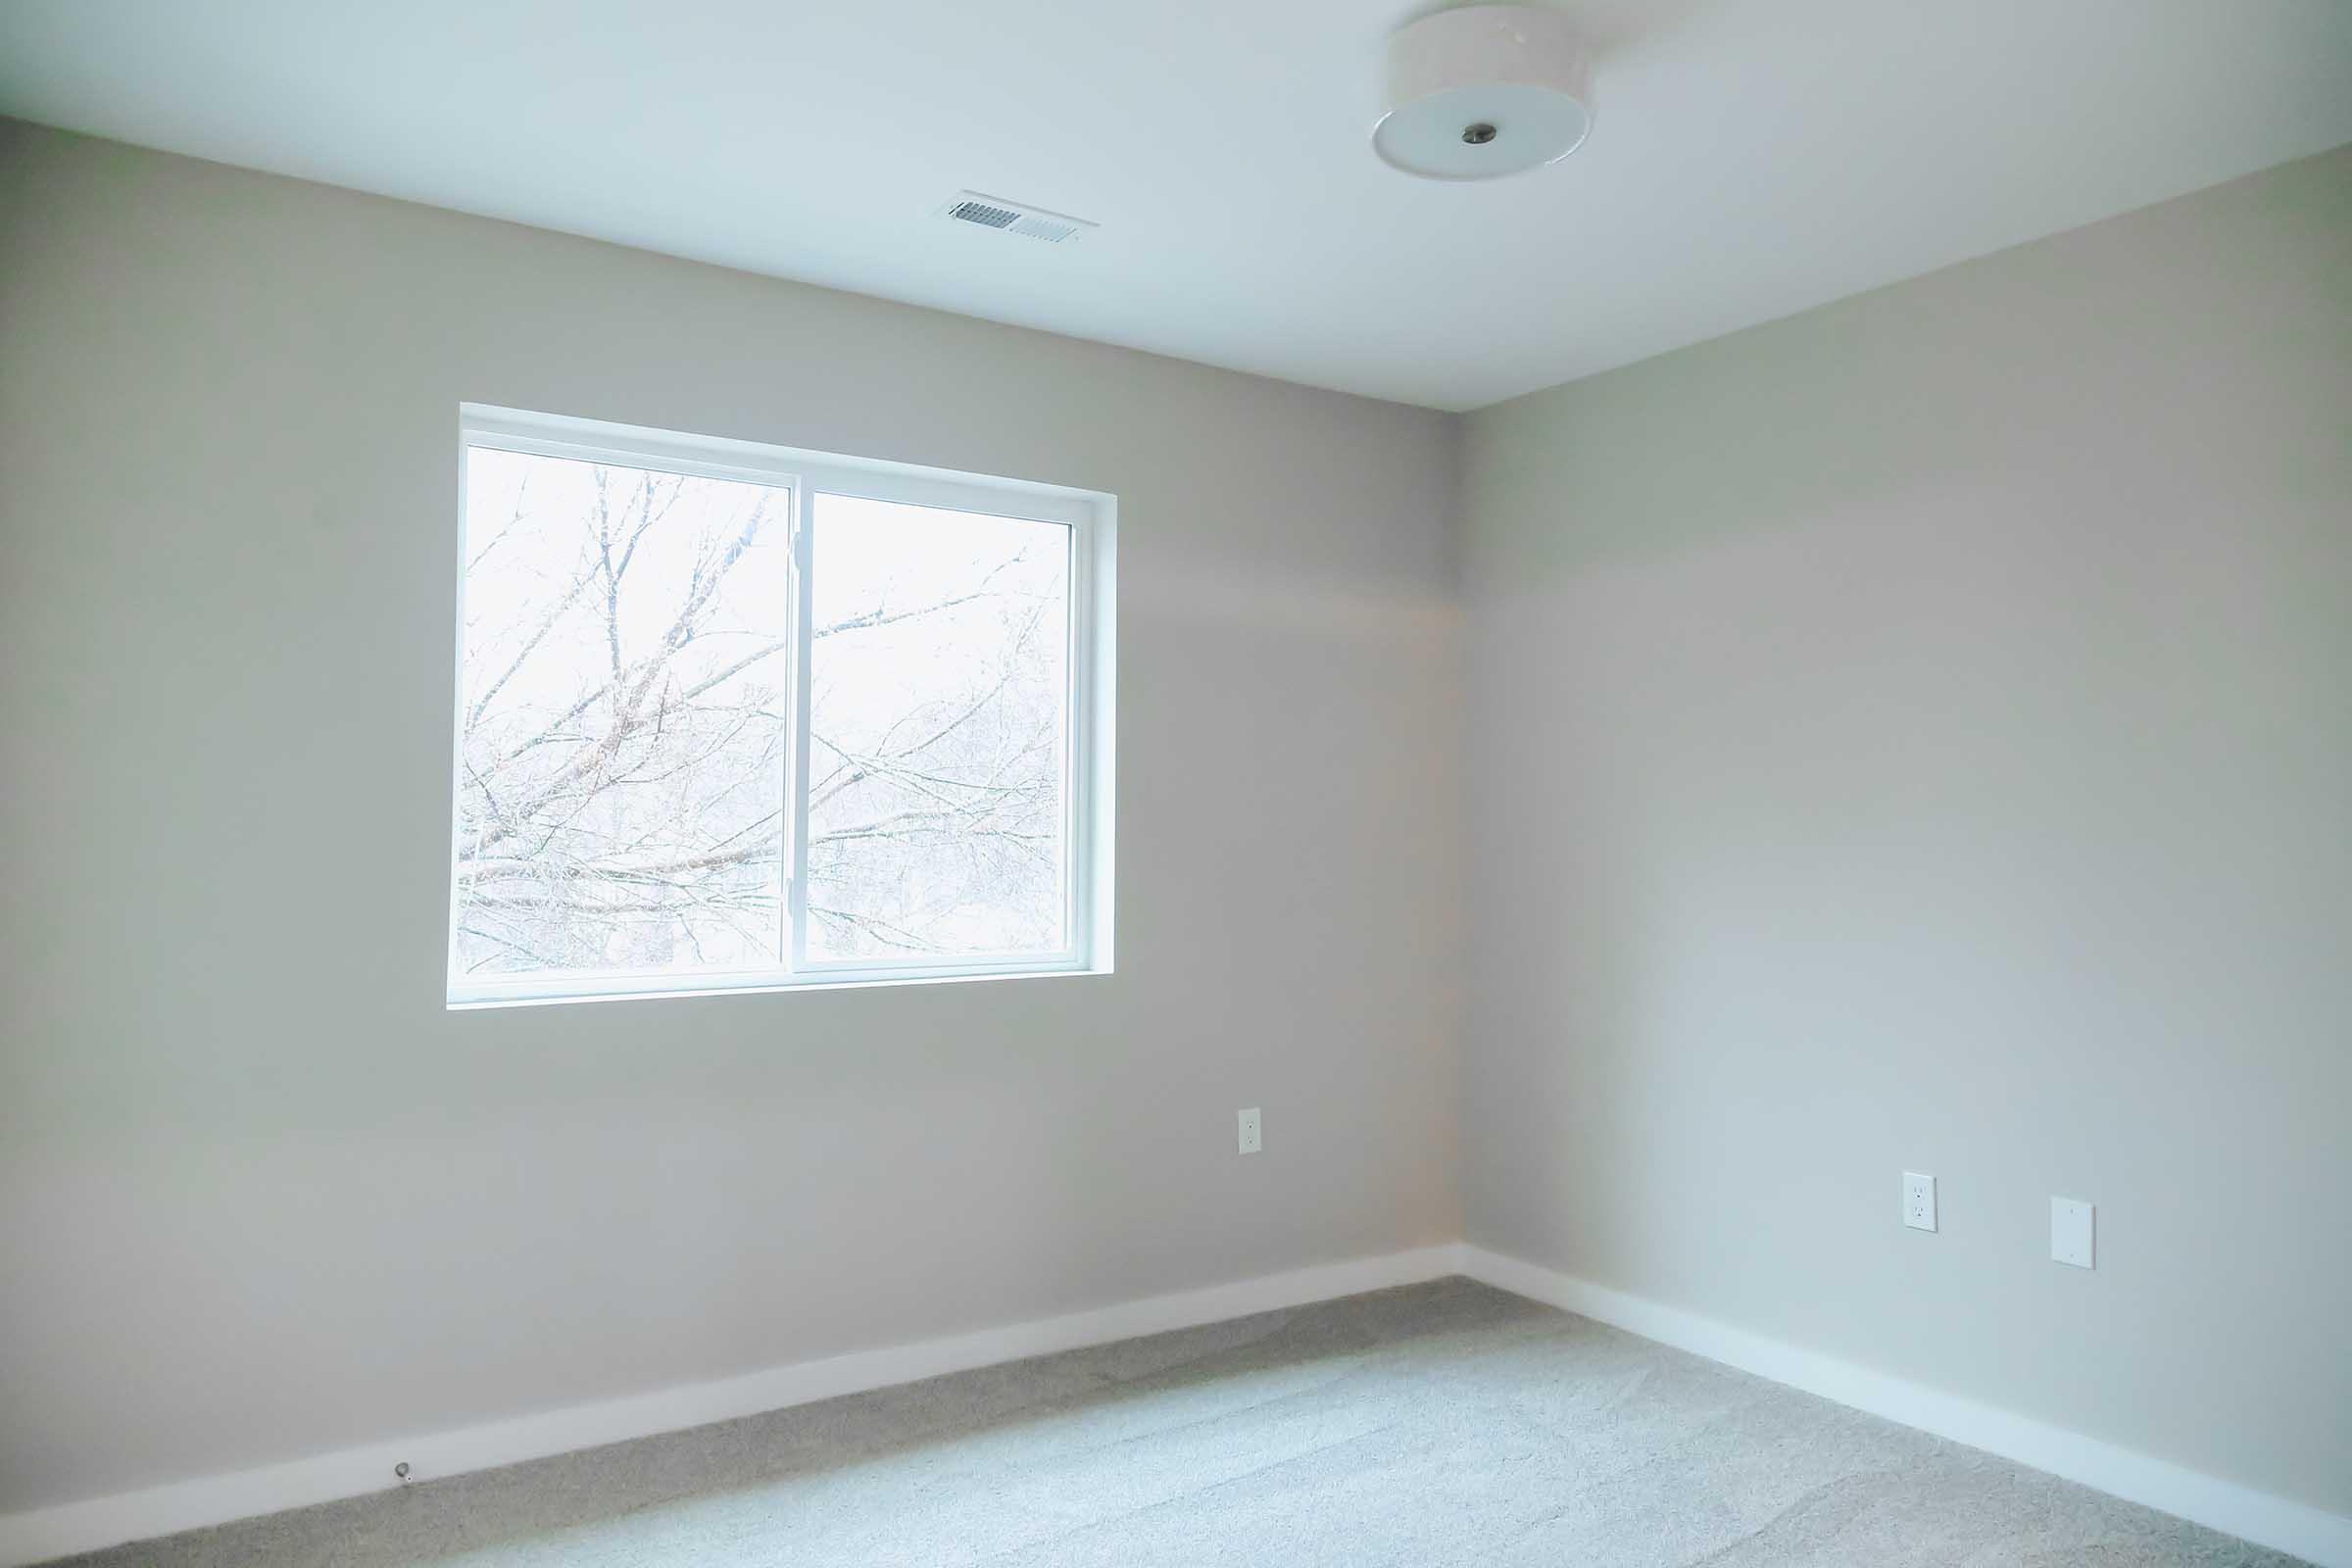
[2071, 1232]
[1252, 1142]
[1919, 1200]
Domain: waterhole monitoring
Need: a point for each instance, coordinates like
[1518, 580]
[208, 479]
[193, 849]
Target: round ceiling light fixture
[1483, 91]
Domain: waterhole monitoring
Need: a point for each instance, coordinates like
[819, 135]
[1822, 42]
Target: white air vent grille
[1012, 217]
[984, 214]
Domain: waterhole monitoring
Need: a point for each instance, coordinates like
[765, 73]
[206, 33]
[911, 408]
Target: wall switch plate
[1252, 1142]
[1919, 1200]
[2070, 1230]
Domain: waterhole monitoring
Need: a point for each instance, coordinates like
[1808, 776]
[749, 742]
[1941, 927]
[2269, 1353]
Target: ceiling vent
[1012, 217]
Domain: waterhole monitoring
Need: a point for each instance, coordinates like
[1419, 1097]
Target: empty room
[886, 783]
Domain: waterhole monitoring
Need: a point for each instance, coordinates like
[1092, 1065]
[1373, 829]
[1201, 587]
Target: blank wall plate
[1919, 1200]
[1252, 1143]
[2070, 1230]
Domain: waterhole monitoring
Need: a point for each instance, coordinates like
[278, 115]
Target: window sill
[487, 999]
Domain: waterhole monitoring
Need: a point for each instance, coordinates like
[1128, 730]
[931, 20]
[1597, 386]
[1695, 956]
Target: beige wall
[261, 1195]
[1909, 735]
[1918, 734]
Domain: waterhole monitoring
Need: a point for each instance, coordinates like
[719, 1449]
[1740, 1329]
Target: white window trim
[1092, 519]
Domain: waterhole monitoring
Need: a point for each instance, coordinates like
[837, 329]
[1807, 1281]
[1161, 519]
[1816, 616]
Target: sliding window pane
[623, 719]
[940, 734]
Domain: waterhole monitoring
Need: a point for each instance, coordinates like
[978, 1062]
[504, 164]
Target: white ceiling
[1751, 158]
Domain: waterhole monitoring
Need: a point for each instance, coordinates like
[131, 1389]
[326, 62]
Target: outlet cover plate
[2070, 1226]
[1252, 1141]
[1919, 1200]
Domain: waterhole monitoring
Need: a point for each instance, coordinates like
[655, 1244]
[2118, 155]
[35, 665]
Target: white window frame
[1088, 785]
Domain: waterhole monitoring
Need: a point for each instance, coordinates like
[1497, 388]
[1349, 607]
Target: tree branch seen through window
[627, 799]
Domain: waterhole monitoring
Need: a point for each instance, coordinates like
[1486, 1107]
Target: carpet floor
[1436, 1424]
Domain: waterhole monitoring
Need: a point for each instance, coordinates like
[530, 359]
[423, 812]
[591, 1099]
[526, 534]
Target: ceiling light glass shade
[1483, 91]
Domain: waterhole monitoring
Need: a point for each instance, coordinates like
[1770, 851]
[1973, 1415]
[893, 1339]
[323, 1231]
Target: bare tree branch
[634, 807]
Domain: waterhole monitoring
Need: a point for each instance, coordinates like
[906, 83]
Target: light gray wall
[1912, 734]
[1918, 734]
[261, 1195]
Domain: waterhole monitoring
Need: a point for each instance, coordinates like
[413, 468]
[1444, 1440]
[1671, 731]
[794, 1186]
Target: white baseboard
[39, 1533]
[2276, 1522]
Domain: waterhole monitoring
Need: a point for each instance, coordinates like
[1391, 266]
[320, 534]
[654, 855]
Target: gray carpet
[1437, 1424]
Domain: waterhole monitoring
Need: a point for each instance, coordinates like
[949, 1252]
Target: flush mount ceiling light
[1483, 91]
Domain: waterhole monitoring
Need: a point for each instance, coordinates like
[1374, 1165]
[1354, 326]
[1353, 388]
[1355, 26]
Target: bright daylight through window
[738, 716]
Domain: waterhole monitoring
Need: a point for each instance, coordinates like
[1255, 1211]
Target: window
[737, 716]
